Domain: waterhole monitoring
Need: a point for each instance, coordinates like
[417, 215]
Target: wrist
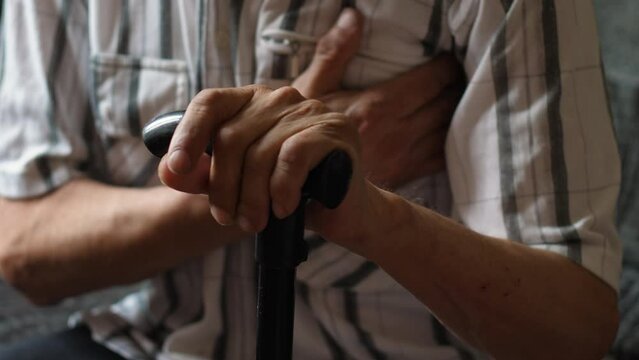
[389, 218]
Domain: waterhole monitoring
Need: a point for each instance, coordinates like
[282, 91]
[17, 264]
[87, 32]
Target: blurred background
[619, 36]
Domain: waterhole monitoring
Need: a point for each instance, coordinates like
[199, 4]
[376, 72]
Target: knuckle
[290, 154]
[339, 129]
[371, 108]
[286, 95]
[342, 123]
[339, 123]
[228, 136]
[316, 106]
[205, 98]
[354, 113]
[311, 107]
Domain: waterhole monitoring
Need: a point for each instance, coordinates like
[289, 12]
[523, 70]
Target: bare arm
[513, 301]
[87, 235]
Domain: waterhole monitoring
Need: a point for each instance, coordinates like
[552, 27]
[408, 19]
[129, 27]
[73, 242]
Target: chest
[150, 57]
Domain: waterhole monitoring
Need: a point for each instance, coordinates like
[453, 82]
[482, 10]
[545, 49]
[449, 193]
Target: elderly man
[530, 158]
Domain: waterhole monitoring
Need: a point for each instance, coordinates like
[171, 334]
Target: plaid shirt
[531, 154]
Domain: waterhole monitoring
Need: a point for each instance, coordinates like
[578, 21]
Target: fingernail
[221, 216]
[279, 211]
[244, 224]
[179, 162]
[347, 19]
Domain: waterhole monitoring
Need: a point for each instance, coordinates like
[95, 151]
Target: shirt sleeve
[45, 114]
[531, 151]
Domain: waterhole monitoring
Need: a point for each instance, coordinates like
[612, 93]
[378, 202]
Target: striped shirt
[531, 155]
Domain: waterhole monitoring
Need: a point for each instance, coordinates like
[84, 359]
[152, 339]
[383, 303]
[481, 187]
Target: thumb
[333, 52]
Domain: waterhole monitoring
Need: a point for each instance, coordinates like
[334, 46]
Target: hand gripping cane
[280, 247]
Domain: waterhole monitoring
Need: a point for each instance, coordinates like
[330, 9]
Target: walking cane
[280, 247]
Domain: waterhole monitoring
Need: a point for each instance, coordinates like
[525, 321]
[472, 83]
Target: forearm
[88, 235]
[508, 299]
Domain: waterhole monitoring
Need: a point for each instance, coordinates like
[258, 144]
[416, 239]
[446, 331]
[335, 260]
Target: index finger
[206, 111]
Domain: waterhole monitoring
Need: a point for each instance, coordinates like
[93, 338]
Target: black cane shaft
[276, 307]
[279, 248]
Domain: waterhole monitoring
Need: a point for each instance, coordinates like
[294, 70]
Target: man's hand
[265, 142]
[402, 122]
